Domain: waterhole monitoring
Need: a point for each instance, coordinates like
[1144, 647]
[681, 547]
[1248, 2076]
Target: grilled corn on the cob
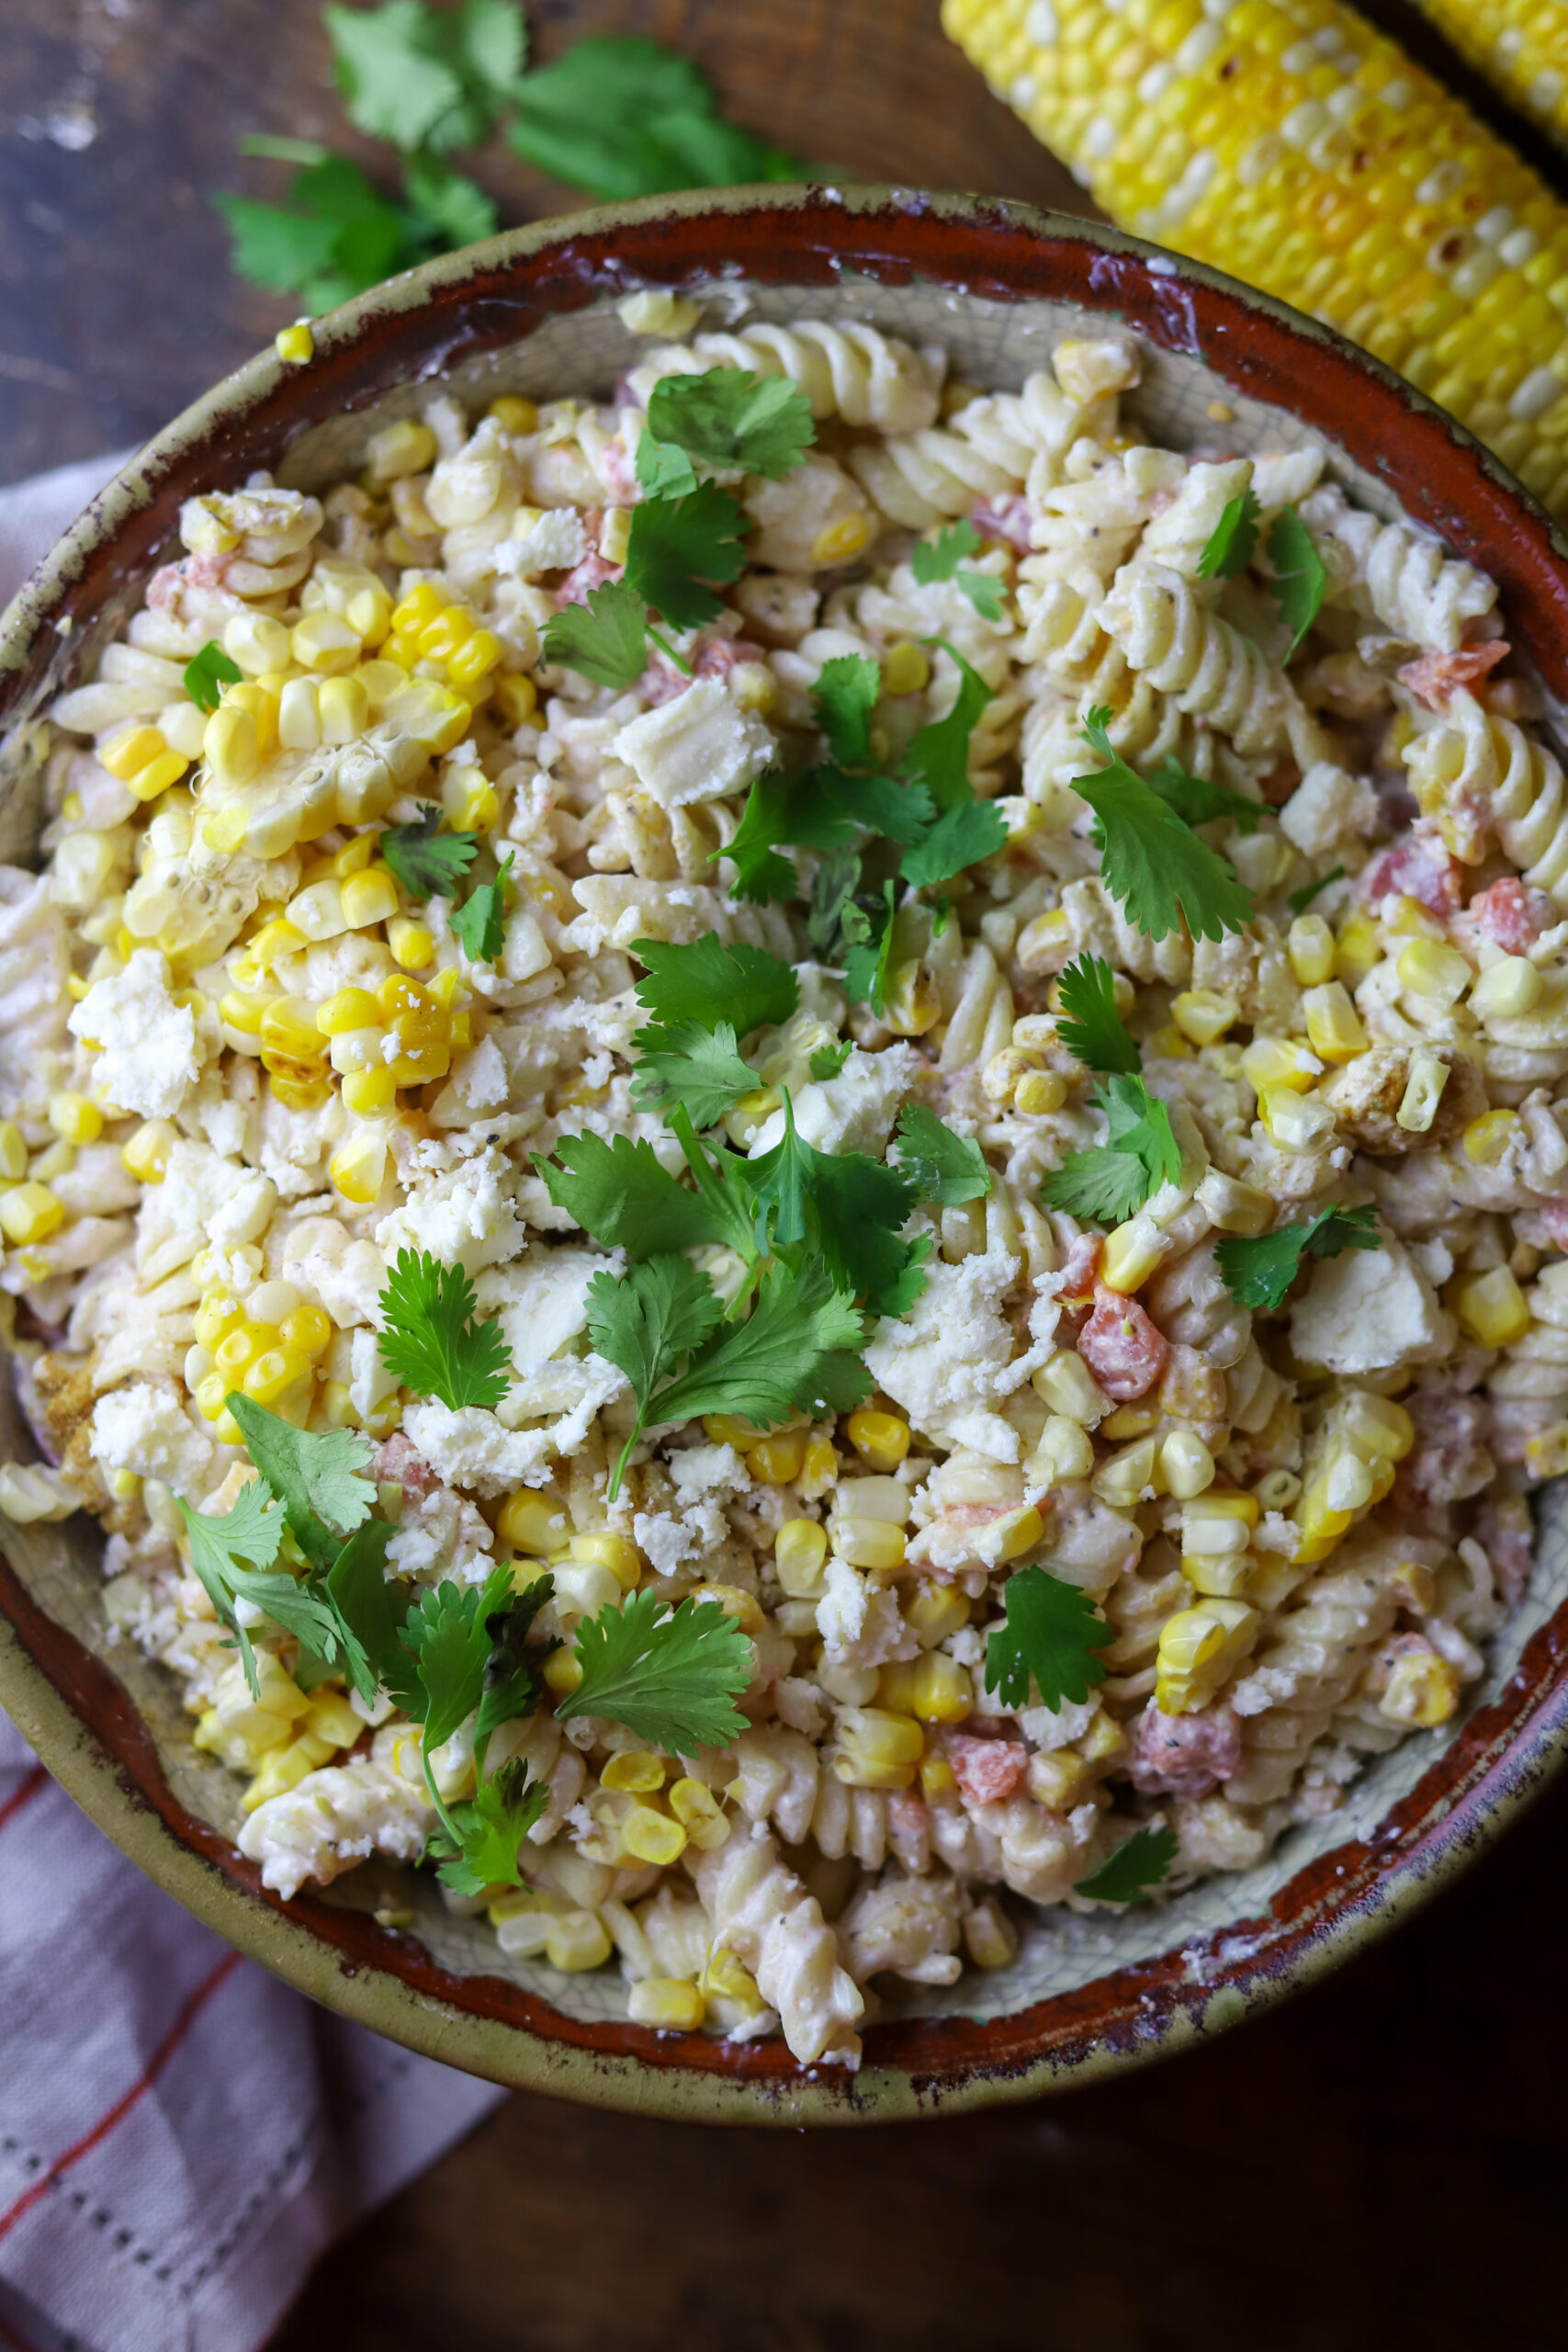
[1521, 46]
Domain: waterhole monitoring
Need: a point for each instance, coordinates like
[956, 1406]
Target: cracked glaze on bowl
[534, 311]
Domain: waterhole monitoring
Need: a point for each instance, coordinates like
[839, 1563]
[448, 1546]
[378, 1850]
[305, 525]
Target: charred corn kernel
[877, 1749]
[652, 1836]
[800, 1550]
[819, 1471]
[368, 1092]
[1356, 948]
[1492, 1309]
[74, 1118]
[1546, 1453]
[1296, 1123]
[562, 1672]
[880, 1439]
[288, 1028]
[1517, 44]
[1487, 1139]
[937, 1777]
[230, 746]
[1128, 1476]
[276, 938]
[515, 413]
[943, 1690]
[516, 698]
[1422, 1093]
[934, 1612]
[841, 541]
[411, 944]
[1505, 989]
[369, 897]
[871, 1544]
[777, 1461]
[474, 659]
[635, 1769]
[1197, 1648]
[349, 1008]
[906, 669]
[529, 1522]
[1186, 1464]
[406, 448]
[896, 1688]
[1442, 975]
[666, 2004]
[617, 1552]
[358, 1167]
[1131, 1255]
[343, 707]
[1203, 1014]
[1421, 1689]
[1276, 1062]
[700, 1815]
[1310, 946]
[29, 1213]
[307, 1333]
[295, 346]
[1334, 1026]
[1069, 1387]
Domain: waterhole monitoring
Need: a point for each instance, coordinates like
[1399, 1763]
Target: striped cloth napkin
[180, 2136]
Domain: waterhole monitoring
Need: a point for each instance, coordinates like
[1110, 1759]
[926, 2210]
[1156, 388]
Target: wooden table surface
[1378, 2165]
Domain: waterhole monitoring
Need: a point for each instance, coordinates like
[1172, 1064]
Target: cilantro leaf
[849, 1206]
[1149, 860]
[693, 1065]
[430, 1341]
[708, 982]
[456, 210]
[318, 1478]
[662, 470]
[447, 1634]
[419, 79]
[1137, 1865]
[643, 1323]
[671, 1676]
[427, 862]
[625, 117]
[1090, 1025]
[760, 874]
[335, 236]
[480, 924]
[833, 921]
[620, 1193]
[869, 956]
[730, 417]
[938, 756]
[511, 1687]
[605, 640]
[1259, 1269]
[843, 699]
[973, 830]
[1300, 577]
[931, 560]
[798, 1348]
[1300, 900]
[1110, 1181]
[1233, 538]
[943, 1166]
[491, 1825]
[676, 545]
[372, 1609]
[1051, 1637]
[1196, 800]
[828, 1061]
[207, 673]
[823, 809]
[252, 1531]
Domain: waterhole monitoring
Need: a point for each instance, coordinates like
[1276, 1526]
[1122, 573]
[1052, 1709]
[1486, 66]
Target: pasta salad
[784, 1156]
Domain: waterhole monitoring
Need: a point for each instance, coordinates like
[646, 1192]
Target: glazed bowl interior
[535, 313]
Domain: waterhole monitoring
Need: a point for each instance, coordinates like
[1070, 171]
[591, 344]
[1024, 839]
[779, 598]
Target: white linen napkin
[180, 2136]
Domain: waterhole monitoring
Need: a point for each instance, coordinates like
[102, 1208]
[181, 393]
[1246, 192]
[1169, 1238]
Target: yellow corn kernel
[470, 800]
[418, 608]
[406, 448]
[652, 1836]
[308, 1333]
[1129, 1421]
[74, 1118]
[295, 346]
[1187, 1466]
[1423, 1091]
[1296, 1123]
[368, 1092]
[29, 1213]
[617, 1552]
[1274, 1062]
[700, 1815]
[331, 1718]
[943, 1690]
[529, 1522]
[841, 541]
[219, 1313]
[1356, 948]
[289, 1029]
[934, 1612]
[127, 752]
[635, 1769]
[880, 1439]
[1039, 1091]
[211, 1396]
[1439, 974]
[58, 1160]
[369, 897]
[474, 659]
[1310, 946]
[896, 1688]
[667, 2004]
[906, 669]
[229, 745]
[819, 1471]
[515, 413]
[322, 643]
[800, 1550]
[990, 1937]
[576, 1941]
[877, 1749]
[1131, 1256]
[871, 1544]
[343, 706]
[240, 1345]
[358, 1167]
[752, 685]
[158, 775]
[1491, 1307]
[516, 699]
[398, 994]
[1508, 988]
[1069, 1387]
[241, 1014]
[348, 1010]
[563, 1672]
[1546, 1453]
[1334, 1026]
[14, 1151]
[777, 1461]
[1487, 1139]
[1059, 1777]
[1421, 1689]
[1198, 1649]
[411, 944]
[266, 1377]
[1062, 1453]
[279, 938]
[1203, 1016]
[938, 1778]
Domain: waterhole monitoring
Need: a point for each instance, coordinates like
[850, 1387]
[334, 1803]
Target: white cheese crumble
[148, 1060]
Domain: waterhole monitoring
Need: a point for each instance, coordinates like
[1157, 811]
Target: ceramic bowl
[534, 313]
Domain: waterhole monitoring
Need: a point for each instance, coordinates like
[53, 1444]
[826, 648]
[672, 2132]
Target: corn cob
[1521, 46]
[1287, 143]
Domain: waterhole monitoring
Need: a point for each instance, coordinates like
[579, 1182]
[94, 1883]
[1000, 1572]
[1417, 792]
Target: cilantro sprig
[1233, 538]
[670, 1676]
[1110, 1181]
[480, 924]
[943, 1168]
[207, 673]
[621, 116]
[427, 862]
[939, 559]
[1090, 1025]
[422, 79]
[1300, 577]
[1139, 1864]
[1051, 1637]
[1160, 869]
[731, 418]
[1259, 1269]
[605, 638]
[431, 1341]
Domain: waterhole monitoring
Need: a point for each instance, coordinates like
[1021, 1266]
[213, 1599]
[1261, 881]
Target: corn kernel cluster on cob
[1521, 46]
[1287, 143]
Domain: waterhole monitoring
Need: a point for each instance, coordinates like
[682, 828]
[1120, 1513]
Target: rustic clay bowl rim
[76, 1713]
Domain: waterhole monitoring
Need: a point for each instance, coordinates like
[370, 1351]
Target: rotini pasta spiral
[760, 1911]
[1398, 575]
[868, 378]
[1477, 769]
[1209, 667]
